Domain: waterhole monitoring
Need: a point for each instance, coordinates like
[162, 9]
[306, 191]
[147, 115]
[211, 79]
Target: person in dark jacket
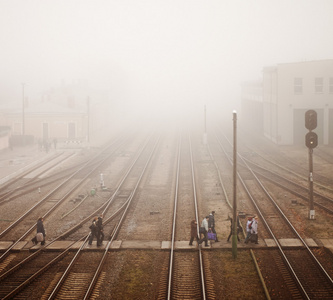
[231, 228]
[211, 223]
[40, 229]
[100, 233]
[93, 231]
[194, 232]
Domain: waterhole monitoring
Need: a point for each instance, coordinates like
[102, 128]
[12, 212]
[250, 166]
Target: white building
[288, 91]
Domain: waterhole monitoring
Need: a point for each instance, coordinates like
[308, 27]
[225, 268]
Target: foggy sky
[156, 52]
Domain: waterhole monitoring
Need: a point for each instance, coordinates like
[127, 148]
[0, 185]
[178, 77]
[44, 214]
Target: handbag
[39, 237]
[211, 235]
[202, 230]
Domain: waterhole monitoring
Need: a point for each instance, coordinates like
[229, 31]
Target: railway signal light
[311, 140]
[310, 119]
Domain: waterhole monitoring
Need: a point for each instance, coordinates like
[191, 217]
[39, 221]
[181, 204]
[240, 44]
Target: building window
[319, 85]
[331, 85]
[298, 86]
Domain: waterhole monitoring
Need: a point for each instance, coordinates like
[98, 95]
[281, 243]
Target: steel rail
[289, 224]
[113, 235]
[203, 285]
[115, 232]
[30, 181]
[292, 191]
[54, 206]
[105, 206]
[33, 167]
[299, 284]
[230, 205]
[37, 273]
[289, 171]
[174, 222]
[32, 256]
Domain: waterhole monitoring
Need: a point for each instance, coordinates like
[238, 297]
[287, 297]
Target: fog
[152, 57]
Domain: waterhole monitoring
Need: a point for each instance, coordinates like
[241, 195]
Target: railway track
[79, 277]
[266, 206]
[30, 179]
[186, 278]
[83, 272]
[44, 207]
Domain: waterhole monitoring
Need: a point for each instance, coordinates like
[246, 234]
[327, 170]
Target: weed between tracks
[235, 278]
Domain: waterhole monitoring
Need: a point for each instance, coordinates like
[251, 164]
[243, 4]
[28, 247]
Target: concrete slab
[328, 243]
[20, 245]
[185, 245]
[5, 245]
[94, 246]
[116, 244]
[290, 242]
[270, 243]
[141, 244]
[61, 245]
[166, 245]
[311, 243]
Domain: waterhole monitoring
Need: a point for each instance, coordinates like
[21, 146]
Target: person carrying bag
[40, 236]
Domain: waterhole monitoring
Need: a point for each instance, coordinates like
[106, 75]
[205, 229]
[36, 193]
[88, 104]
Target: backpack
[250, 225]
[93, 226]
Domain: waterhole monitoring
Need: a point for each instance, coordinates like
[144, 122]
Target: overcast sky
[153, 50]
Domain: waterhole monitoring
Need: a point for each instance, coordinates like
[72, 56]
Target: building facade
[47, 121]
[288, 91]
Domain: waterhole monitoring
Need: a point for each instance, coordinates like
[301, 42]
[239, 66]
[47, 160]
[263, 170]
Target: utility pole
[88, 120]
[23, 121]
[205, 133]
[234, 219]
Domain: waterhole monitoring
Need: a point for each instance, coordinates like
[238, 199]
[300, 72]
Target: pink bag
[39, 237]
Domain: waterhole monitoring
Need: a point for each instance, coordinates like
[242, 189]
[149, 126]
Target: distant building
[4, 137]
[288, 91]
[47, 121]
[78, 96]
[71, 113]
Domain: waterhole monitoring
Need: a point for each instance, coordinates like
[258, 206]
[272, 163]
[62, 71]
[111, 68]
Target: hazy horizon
[156, 55]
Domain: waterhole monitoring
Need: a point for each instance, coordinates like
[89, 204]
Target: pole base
[312, 214]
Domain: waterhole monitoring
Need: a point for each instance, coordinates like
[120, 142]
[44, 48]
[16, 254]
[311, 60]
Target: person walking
[254, 231]
[40, 236]
[248, 229]
[194, 232]
[100, 233]
[93, 231]
[204, 230]
[232, 229]
[211, 223]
